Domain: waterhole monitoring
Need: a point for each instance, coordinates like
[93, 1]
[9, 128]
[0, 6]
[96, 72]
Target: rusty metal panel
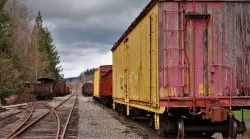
[104, 69]
[135, 63]
[204, 49]
[60, 88]
[106, 84]
[68, 90]
[87, 89]
[43, 88]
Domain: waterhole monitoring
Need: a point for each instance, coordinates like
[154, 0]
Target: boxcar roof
[45, 79]
[150, 5]
[106, 66]
[107, 73]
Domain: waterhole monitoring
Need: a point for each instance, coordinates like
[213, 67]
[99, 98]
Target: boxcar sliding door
[197, 45]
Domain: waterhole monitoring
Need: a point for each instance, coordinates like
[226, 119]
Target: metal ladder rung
[174, 30]
[174, 12]
[173, 48]
[175, 67]
[181, 50]
[175, 85]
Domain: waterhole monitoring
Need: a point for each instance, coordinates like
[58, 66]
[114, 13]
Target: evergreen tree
[9, 75]
[47, 46]
[54, 58]
[37, 38]
[5, 31]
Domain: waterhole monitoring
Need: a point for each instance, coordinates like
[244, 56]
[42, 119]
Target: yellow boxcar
[96, 83]
[135, 84]
[179, 60]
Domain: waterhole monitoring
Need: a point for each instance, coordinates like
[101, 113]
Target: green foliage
[87, 75]
[25, 53]
[9, 75]
[5, 31]
[48, 47]
[10, 82]
[238, 116]
[88, 72]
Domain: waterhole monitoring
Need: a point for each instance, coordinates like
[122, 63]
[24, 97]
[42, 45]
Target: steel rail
[29, 125]
[38, 119]
[31, 113]
[69, 116]
[58, 120]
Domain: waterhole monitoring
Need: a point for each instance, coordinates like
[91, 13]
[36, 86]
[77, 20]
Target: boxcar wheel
[122, 110]
[180, 126]
[151, 121]
[233, 125]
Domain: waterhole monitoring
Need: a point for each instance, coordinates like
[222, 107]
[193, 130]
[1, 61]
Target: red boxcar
[87, 89]
[68, 90]
[106, 85]
[104, 69]
[60, 88]
[44, 89]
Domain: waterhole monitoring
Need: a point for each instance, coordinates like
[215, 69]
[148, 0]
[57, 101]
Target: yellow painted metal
[157, 121]
[97, 83]
[135, 64]
[139, 106]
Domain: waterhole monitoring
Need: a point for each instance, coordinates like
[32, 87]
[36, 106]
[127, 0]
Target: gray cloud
[85, 29]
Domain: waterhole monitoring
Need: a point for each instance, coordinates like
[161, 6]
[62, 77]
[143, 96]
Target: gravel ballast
[95, 122]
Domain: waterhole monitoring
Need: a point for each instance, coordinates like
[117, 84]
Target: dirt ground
[95, 122]
[20, 98]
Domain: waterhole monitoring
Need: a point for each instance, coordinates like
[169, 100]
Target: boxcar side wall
[96, 83]
[87, 89]
[204, 50]
[106, 85]
[135, 64]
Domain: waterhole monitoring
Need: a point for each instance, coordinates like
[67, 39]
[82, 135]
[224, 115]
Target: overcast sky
[84, 31]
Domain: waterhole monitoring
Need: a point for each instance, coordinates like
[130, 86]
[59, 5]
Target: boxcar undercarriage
[45, 96]
[189, 122]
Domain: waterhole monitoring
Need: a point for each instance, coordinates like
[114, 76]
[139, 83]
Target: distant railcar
[44, 89]
[87, 89]
[105, 94]
[102, 70]
[68, 90]
[60, 89]
[186, 63]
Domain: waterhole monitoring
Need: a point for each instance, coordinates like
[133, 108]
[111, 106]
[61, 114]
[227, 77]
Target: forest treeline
[89, 72]
[27, 51]
[87, 75]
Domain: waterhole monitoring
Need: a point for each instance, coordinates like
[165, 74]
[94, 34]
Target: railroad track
[51, 123]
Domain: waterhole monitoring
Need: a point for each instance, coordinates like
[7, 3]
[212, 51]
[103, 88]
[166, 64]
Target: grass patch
[246, 115]
[248, 131]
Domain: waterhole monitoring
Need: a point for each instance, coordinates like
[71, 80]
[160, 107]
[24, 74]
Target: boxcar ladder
[181, 49]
